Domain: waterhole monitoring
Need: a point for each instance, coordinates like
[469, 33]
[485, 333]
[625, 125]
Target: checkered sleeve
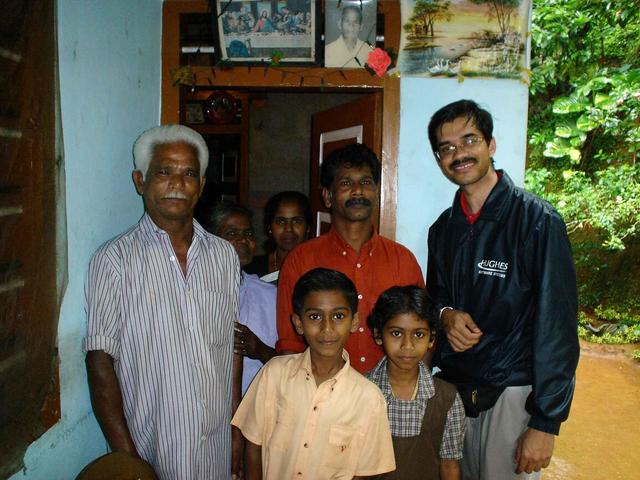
[451, 448]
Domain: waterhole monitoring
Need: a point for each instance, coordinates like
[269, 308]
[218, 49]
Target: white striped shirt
[171, 338]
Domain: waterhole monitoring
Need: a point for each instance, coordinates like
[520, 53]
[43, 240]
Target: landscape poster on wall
[467, 37]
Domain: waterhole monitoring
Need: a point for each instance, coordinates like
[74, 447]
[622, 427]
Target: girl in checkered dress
[426, 415]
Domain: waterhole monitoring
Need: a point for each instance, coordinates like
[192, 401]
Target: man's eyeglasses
[450, 149]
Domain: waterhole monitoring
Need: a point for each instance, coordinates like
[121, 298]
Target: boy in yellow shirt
[310, 415]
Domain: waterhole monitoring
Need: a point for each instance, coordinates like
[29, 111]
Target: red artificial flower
[378, 61]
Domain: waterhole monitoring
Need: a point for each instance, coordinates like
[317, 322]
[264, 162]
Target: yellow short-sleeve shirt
[338, 429]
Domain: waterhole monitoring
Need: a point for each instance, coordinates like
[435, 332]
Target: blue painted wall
[109, 67]
[423, 191]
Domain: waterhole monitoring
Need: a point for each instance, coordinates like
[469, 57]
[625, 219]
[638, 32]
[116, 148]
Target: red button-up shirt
[381, 264]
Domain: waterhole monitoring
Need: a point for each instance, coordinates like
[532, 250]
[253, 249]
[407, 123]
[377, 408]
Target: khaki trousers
[490, 439]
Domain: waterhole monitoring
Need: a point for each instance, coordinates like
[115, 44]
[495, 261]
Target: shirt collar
[149, 228]
[495, 203]
[342, 246]
[426, 388]
[304, 366]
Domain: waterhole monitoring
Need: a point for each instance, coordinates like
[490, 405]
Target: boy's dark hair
[212, 220]
[398, 300]
[274, 202]
[353, 155]
[468, 109]
[324, 280]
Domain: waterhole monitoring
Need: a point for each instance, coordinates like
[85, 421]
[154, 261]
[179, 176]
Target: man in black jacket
[500, 270]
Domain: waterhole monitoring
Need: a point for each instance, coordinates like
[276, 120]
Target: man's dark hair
[275, 201]
[398, 300]
[324, 280]
[212, 220]
[353, 155]
[468, 109]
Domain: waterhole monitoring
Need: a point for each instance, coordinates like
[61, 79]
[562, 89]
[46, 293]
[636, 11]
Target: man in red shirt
[350, 179]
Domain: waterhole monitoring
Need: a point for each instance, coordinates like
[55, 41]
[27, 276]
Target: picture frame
[193, 113]
[341, 19]
[253, 31]
[465, 39]
[229, 166]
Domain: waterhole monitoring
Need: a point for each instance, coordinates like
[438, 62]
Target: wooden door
[28, 301]
[359, 121]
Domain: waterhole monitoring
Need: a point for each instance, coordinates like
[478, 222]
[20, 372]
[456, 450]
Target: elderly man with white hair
[161, 299]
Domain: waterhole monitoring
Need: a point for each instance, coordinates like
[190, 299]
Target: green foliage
[584, 138]
[585, 86]
[628, 334]
[636, 355]
[605, 204]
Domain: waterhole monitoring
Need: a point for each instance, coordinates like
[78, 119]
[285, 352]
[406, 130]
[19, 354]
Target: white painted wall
[109, 67]
[423, 191]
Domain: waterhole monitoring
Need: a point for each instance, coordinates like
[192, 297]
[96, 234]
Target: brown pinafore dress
[418, 458]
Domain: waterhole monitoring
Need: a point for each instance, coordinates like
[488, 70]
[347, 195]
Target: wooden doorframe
[322, 79]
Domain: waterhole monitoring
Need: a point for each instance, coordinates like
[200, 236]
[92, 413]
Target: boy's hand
[462, 331]
[534, 451]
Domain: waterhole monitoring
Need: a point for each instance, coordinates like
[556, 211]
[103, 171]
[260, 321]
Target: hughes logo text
[494, 268]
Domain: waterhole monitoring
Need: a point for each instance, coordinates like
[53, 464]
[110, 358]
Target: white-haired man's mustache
[178, 195]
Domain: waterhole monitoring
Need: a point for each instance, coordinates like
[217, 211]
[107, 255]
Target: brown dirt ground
[601, 438]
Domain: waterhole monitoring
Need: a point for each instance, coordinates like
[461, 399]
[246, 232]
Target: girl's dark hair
[398, 300]
[324, 280]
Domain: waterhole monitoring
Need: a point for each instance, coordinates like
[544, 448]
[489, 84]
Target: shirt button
[360, 296]
[358, 265]
[203, 438]
[315, 408]
[344, 253]
[172, 258]
[305, 445]
[361, 329]
[362, 359]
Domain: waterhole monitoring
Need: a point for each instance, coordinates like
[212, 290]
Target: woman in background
[287, 220]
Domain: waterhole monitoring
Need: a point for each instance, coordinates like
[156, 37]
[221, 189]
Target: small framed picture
[193, 113]
[350, 32]
[255, 30]
[229, 166]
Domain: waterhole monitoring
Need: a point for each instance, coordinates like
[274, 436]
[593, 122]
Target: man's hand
[462, 332]
[534, 451]
[106, 398]
[246, 343]
[237, 454]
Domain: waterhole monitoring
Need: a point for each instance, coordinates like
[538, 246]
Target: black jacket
[512, 271]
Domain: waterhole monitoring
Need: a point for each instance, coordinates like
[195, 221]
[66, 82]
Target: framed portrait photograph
[229, 166]
[350, 32]
[252, 31]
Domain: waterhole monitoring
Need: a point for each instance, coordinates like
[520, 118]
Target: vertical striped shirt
[171, 338]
